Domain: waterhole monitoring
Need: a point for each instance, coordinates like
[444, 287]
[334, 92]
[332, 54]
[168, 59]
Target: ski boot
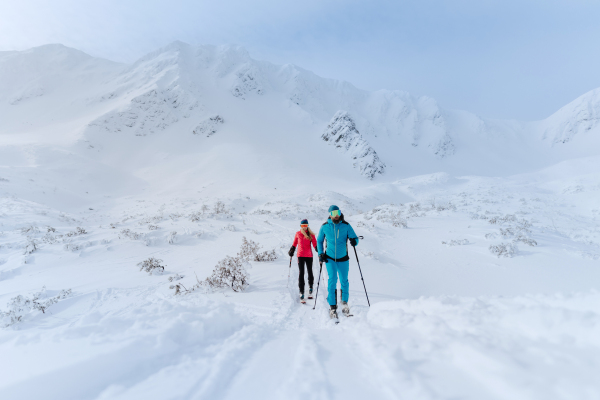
[310, 290]
[346, 309]
[333, 313]
[302, 298]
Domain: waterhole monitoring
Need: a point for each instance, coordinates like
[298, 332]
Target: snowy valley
[481, 250]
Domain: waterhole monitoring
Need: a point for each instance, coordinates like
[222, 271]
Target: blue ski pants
[333, 269]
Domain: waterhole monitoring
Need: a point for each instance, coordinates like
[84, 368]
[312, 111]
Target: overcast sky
[511, 59]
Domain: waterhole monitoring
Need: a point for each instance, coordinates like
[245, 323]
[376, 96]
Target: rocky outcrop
[209, 126]
[342, 133]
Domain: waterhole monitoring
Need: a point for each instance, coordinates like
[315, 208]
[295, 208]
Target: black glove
[291, 252]
[322, 258]
[353, 242]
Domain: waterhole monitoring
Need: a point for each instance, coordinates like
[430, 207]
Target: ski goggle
[304, 225]
[335, 213]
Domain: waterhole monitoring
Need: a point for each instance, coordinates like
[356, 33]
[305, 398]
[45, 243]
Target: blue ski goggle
[335, 213]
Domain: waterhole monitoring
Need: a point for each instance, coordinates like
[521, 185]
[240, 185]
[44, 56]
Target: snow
[184, 153]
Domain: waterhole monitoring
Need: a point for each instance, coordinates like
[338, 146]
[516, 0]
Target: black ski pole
[361, 277]
[289, 271]
[318, 282]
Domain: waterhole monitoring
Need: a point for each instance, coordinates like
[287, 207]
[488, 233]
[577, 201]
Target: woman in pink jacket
[303, 240]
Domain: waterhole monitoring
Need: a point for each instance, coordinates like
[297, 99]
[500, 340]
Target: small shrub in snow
[50, 229]
[504, 250]
[127, 233]
[414, 207]
[78, 231]
[76, 246]
[229, 227]
[507, 233]
[219, 208]
[230, 272]
[152, 265]
[266, 256]
[175, 277]
[172, 237]
[491, 235]
[175, 216]
[501, 220]
[249, 252]
[527, 240]
[31, 246]
[444, 207]
[153, 227]
[21, 305]
[460, 242]
[29, 230]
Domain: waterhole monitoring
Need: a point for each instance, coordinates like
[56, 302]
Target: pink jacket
[303, 244]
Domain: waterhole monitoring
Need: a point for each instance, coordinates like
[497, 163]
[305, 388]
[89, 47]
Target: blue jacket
[336, 235]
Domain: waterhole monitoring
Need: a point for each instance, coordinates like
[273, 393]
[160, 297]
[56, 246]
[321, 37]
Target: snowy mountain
[127, 191]
[175, 91]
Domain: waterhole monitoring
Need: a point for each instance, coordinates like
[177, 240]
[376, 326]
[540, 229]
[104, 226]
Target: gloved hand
[291, 252]
[322, 258]
[353, 242]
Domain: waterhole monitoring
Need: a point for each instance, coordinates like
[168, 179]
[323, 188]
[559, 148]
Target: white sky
[501, 59]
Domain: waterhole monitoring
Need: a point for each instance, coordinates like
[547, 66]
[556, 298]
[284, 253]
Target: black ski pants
[302, 261]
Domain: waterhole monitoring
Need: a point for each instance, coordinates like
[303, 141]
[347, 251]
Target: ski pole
[361, 276]
[318, 282]
[289, 271]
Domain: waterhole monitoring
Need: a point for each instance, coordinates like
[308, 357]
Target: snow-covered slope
[480, 252]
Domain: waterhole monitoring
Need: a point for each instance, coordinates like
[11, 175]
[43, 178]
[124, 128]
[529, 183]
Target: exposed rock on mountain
[342, 133]
[209, 126]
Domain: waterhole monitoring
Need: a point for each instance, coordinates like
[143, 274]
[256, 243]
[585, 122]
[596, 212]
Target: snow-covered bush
[172, 237]
[29, 230]
[21, 305]
[229, 227]
[219, 208]
[153, 227]
[229, 272]
[501, 220]
[266, 256]
[249, 252]
[444, 207]
[78, 231]
[152, 265]
[504, 250]
[527, 240]
[31, 246]
[128, 233]
[175, 277]
[453, 242]
[76, 246]
[519, 230]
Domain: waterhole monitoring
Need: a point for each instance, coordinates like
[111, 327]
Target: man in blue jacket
[337, 232]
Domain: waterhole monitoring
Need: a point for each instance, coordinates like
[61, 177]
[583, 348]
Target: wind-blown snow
[481, 247]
